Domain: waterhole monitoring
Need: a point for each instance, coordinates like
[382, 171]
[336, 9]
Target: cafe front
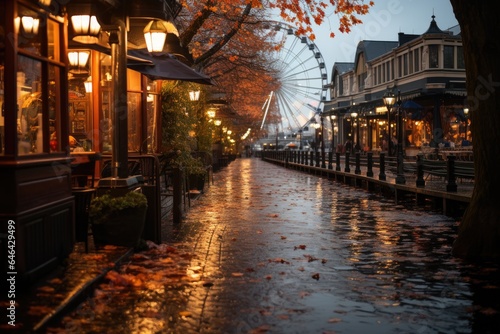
[65, 96]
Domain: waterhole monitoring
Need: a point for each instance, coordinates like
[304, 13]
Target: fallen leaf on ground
[185, 313]
[46, 289]
[237, 274]
[315, 276]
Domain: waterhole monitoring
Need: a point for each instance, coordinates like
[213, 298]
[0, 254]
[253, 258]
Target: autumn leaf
[315, 276]
[185, 314]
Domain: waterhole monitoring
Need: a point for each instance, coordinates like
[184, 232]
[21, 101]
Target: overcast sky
[386, 19]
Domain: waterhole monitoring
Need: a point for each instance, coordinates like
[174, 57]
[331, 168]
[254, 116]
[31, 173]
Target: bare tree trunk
[479, 232]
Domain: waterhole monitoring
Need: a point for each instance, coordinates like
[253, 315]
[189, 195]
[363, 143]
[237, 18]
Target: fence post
[330, 158]
[420, 183]
[381, 175]
[337, 161]
[369, 164]
[347, 169]
[357, 169]
[451, 185]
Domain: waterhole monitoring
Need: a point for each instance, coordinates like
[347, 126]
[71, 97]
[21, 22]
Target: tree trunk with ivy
[479, 231]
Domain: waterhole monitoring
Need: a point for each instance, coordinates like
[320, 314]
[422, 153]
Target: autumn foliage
[232, 42]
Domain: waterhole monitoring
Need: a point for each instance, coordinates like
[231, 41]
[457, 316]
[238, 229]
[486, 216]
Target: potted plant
[196, 172]
[118, 220]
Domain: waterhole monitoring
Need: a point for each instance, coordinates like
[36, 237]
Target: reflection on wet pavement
[269, 250]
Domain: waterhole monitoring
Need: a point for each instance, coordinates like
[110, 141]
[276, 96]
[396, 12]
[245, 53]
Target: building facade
[425, 72]
[65, 91]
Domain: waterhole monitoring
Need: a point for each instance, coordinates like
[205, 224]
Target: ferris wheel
[303, 79]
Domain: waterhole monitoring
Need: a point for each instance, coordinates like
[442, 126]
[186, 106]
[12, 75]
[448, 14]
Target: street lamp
[332, 123]
[466, 113]
[389, 100]
[155, 34]
[323, 164]
[354, 115]
[400, 178]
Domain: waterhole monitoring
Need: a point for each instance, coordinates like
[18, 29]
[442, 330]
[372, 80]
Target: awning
[410, 104]
[165, 67]
[415, 109]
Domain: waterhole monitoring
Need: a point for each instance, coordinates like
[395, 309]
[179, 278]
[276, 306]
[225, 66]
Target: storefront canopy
[414, 109]
[163, 66]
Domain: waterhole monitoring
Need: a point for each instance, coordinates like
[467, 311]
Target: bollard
[311, 158]
[337, 161]
[357, 169]
[420, 183]
[317, 158]
[381, 175]
[347, 169]
[369, 164]
[330, 158]
[451, 185]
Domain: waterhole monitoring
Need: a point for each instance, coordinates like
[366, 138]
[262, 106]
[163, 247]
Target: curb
[78, 295]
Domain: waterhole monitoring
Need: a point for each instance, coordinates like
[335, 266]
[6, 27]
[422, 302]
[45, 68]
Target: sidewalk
[253, 256]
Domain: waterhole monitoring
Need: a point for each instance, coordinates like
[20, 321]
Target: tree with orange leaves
[231, 41]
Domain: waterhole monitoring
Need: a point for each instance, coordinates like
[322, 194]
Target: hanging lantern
[86, 29]
[194, 95]
[155, 34]
[78, 61]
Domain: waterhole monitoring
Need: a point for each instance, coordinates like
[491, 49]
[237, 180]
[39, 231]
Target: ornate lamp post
[400, 178]
[356, 122]
[334, 127]
[466, 113]
[389, 100]
[323, 164]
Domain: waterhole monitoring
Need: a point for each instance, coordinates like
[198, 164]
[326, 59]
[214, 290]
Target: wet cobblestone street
[270, 250]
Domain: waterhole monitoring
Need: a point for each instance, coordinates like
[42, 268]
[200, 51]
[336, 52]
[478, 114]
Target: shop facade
[62, 94]
[426, 74]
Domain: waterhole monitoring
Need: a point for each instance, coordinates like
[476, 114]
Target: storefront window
[53, 38]
[28, 25]
[80, 106]
[53, 113]
[29, 118]
[134, 121]
[449, 57]
[433, 56]
[152, 102]
[460, 57]
[134, 96]
[105, 121]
